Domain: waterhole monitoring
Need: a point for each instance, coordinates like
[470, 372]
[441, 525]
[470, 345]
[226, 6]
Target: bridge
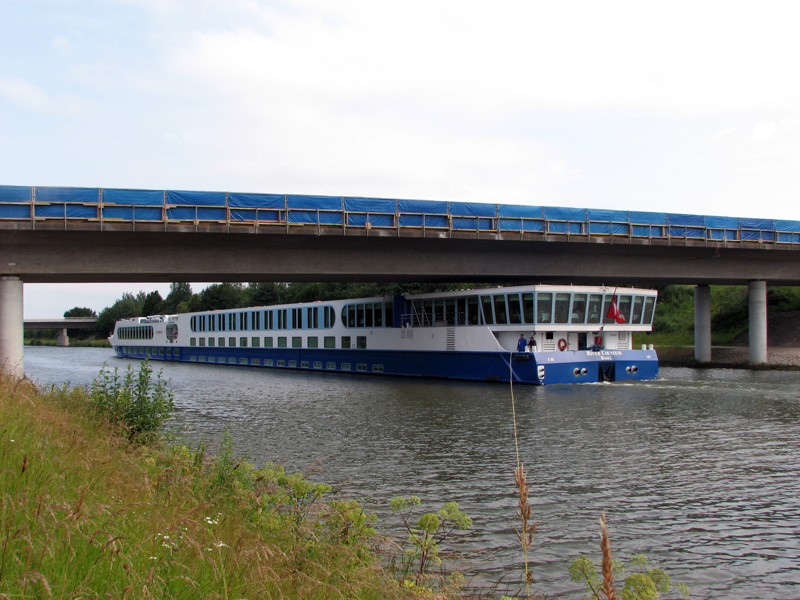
[117, 235]
[62, 324]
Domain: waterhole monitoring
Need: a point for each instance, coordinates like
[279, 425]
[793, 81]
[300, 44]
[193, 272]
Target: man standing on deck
[521, 343]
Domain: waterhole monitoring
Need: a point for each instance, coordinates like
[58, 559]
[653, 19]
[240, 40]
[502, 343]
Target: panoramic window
[562, 308]
[578, 308]
[544, 307]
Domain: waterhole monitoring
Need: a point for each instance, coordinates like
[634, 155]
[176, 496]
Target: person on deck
[531, 344]
[521, 343]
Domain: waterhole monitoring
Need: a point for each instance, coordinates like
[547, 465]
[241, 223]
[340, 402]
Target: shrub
[135, 400]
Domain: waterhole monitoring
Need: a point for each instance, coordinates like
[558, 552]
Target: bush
[134, 400]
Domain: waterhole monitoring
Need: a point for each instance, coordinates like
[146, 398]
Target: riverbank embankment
[730, 357]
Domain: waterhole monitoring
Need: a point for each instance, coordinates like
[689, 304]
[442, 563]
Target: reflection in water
[699, 470]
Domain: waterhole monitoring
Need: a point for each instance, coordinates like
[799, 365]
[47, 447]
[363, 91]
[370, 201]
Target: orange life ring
[562, 344]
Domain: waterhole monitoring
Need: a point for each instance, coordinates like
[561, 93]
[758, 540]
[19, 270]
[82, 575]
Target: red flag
[613, 312]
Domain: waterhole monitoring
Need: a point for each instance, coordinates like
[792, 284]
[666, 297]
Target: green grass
[86, 514]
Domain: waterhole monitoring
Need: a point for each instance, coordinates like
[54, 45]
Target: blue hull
[527, 367]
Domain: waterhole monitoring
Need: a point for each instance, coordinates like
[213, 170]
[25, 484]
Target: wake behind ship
[541, 334]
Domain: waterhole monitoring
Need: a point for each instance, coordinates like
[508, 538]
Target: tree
[152, 304]
[223, 295]
[265, 293]
[79, 312]
[180, 293]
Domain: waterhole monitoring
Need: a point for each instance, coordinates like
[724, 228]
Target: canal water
[699, 470]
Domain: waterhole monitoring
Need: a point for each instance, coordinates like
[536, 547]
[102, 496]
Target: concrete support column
[63, 339]
[758, 321]
[11, 327]
[702, 323]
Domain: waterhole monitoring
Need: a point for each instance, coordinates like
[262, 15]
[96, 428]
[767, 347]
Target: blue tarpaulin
[431, 207]
[196, 198]
[686, 220]
[256, 200]
[647, 218]
[133, 197]
[15, 193]
[472, 209]
[314, 202]
[515, 210]
[554, 213]
[68, 195]
[370, 205]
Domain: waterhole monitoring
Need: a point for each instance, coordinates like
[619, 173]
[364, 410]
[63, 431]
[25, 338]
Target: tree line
[220, 296]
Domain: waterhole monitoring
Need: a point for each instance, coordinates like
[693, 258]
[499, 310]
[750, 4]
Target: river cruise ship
[537, 334]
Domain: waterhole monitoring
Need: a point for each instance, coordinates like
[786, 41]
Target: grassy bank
[87, 514]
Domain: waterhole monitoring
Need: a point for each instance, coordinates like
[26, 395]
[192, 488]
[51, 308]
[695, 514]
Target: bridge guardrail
[33, 205]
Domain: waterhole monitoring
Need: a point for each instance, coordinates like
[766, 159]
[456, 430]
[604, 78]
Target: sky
[687, 107]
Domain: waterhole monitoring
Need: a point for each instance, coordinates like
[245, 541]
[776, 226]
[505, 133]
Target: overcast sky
[677, 107]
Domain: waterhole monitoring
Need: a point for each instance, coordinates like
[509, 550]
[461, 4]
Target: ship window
[514, 309]
[270, 319]
[255, 361]
[177, 351]
[297, 341]
[268, 362]
[361, 341]
[527, 307]
[500, 312]
[256, 320]
[638, 303]
[330, 317]
[544, 308]
[242, 321]
[313, 342]
[377, 368]
[211, 342]
[578, 308]
[317, 364]
[330, 341]
[330, 365]
[345, 366]
[304, 364]
[486, 306]
[169, 351]
[473, 313]
[607, 308]
[202, 342]
[595, 304]
[345, 341]
[221, 341]
[625, 307]
[361, 367]
[231, 322]
[562, 308]
[649, 305]
[268, 342]
[192, 341]
[231, 341]
[255, 342]
[282, 342]
[281, 363]
[243, 342]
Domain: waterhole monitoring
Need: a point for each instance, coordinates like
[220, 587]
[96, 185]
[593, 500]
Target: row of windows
[519, 308]
[312, 341]
[311, 317]
[137, 332]
[293, 364]
[368, 314]
[147, 351]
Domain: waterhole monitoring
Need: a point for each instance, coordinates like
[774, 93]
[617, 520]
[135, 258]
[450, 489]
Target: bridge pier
[63, 339]
[702, 323]
[11, 329]
[758, 321]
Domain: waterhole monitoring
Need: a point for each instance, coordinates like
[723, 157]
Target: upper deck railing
[23, 207]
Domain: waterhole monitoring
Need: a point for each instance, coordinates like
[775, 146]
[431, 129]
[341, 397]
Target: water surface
[699, 470]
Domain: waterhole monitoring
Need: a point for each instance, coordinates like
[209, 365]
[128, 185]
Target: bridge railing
[27, 207]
